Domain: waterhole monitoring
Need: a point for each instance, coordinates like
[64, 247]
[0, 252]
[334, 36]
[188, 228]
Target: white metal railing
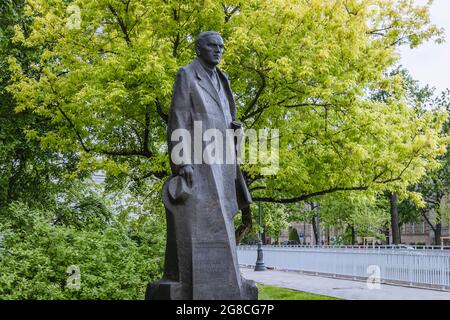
[414, 267]
[367, 246]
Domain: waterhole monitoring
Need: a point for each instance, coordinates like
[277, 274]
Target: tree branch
[427, 220]
[145, 148]
[72, 125]
[378, 32]
[122, 25]
[158, 174]
[258, 93]
[307, 196]
[246, 225]
[256, 112]
[228, 14]
[100, 151]
[163, 116]
[308, 105]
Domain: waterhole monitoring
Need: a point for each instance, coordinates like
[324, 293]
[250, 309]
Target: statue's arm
[180, 118]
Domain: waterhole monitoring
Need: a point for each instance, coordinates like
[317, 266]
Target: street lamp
[259, 266]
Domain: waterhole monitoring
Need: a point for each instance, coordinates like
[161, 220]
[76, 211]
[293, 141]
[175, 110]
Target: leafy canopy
[304, 67]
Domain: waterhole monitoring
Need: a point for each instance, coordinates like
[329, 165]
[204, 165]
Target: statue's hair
[202, 36]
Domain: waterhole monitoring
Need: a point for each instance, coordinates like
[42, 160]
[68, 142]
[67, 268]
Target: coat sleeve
[179, 116]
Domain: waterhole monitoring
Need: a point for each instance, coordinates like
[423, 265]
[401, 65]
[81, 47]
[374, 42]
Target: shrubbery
[116, 259]
[293, 235]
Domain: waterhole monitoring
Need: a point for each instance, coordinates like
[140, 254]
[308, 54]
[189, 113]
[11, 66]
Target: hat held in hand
[178, 189]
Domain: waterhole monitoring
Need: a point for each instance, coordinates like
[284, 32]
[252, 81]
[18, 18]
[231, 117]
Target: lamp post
[259, 266]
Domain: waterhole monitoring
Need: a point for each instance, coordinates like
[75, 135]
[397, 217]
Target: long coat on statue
[201, 261]
[196, 100]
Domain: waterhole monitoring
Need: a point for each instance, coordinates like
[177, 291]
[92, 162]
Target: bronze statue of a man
[207, 187]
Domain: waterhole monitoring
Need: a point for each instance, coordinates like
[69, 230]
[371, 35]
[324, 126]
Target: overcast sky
[430, 62]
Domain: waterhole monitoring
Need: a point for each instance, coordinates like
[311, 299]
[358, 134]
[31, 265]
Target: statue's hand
[236, 125]
[187, 172]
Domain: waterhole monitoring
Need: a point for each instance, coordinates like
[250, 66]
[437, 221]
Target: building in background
[411, 233]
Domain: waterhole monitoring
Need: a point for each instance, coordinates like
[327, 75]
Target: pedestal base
[164, 290]
[172, 290]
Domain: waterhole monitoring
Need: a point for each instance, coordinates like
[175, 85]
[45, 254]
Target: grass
[275, 293]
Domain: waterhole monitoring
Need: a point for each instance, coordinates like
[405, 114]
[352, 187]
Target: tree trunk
[315, 229]
[245, 226]
[304, 233]
[328, 235]
[319, 233]
[438, 234]
[353, 235]
[438, 231]
[434, 228]
[394, 219]
[386, 234]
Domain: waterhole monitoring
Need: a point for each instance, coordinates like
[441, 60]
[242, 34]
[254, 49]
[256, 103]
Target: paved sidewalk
[344, 289]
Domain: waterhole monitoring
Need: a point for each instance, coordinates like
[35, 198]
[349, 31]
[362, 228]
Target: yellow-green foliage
[304, 67]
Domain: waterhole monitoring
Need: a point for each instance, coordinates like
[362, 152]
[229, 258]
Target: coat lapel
[205, 82]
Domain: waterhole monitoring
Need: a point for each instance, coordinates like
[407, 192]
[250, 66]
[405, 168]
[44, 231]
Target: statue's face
[210, 50]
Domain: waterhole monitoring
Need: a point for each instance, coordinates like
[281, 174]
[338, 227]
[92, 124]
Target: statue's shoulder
[187, 71]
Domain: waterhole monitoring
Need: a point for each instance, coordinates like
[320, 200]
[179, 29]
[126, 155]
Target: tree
[435, 186]
[275, 220]
[301, 67]
[30, 172]
[364, 214]
[422, 101]
[49, 218]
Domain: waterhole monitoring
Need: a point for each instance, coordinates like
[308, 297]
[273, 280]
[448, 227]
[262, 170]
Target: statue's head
[209, 47]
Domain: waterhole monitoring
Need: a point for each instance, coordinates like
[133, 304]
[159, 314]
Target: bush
[293, 235]
[115, 261]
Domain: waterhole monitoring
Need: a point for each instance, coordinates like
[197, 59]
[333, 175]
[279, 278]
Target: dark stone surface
[201, 200]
